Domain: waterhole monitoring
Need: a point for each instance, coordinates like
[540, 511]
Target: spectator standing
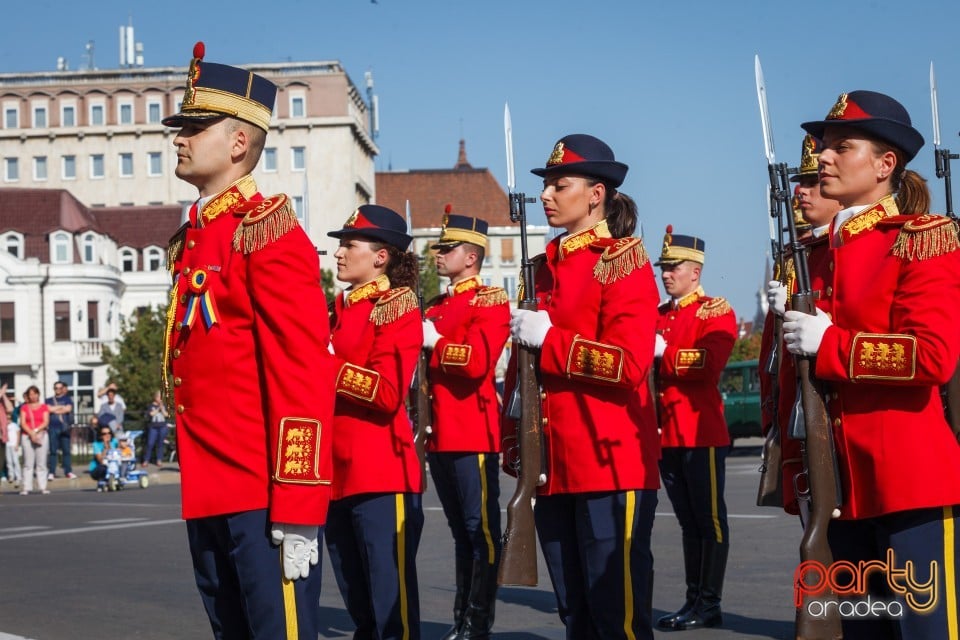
[61, 422]
[10, 436]
[157, 426]
[34, 421]
[113, 406]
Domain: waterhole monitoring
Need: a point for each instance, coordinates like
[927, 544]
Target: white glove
[298, 546]
[529, 328]
[803, 333]
[777, 297]
[659, 346]
[430, 335]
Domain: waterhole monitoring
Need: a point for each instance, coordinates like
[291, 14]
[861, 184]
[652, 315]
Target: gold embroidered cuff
[595, 360]
[298, 452]
[358, 382]
[883, 356]
[456, 355]
[690, 359]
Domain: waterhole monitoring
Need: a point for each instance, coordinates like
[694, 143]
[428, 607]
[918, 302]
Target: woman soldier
[376, 517]
[595, 330]
[888, 344]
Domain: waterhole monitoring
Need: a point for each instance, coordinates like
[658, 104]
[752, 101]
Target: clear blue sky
[669, 85]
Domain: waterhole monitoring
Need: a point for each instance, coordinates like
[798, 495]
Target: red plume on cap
[669, 228]
[448, 208]
[199, 50]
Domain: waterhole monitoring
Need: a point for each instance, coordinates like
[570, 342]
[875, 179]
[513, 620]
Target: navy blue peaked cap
[584, 155]
[378, 223]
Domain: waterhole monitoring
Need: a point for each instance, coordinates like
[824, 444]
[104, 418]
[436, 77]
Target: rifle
[950, 392]
[421, 408]
[822, 485]
[518, 559]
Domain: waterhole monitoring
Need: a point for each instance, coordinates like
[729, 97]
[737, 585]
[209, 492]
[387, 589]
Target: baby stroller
[122, 468]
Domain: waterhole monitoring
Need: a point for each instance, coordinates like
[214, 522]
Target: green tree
[746, 348]
[429, 278]
[136, 363]
[328, 284]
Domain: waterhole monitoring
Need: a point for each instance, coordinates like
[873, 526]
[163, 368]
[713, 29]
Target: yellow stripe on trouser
[629, 509]
[484, 521]
[950, 573]
[289, 603]
[714, 506]
[402, 564]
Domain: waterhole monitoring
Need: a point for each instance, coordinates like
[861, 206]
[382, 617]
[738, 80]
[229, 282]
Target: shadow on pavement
[543, 601]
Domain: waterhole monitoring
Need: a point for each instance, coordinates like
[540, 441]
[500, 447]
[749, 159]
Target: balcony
[90, 352]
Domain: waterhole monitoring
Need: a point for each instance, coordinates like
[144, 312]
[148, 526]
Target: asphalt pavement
[81, 564]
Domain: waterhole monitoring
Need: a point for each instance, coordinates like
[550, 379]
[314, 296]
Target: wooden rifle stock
[421, 407]
[518, 559]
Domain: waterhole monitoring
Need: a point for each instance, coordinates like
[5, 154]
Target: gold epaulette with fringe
[714, 308]
[620, 259]
[538, 261]
[490, 297]
[264, 221]
[926, 236]
[175, 246]
[394, 304]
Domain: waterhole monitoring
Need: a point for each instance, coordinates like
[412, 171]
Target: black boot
[706, 613]
[460, 600]
[478, 618]
[692, 550]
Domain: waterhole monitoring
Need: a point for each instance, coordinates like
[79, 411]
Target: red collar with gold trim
[578, 241]
[240, 191]
[473, 282]
[689, 299]
[373, 288]
[867, 219]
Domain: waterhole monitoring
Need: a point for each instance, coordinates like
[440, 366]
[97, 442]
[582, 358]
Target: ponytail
[403, 267]
[620, 210]
[913, 195]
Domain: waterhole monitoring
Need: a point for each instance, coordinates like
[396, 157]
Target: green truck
[740, 389]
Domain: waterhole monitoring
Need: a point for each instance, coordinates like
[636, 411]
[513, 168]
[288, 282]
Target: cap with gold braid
[677, 248]
[458, 229]
[809, 158]
[217, 90]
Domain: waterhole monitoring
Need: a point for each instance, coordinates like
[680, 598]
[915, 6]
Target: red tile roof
[140, 227]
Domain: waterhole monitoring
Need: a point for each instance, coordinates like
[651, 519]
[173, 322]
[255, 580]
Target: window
[69, 167]
[297, 109]
[60, 248]
[153, 113]
[153, 258]
[13, 242]
[8, 329]
[270, 159]
[298, 206]
[299, 160]
[128, 260]
[88, 247]
[506, 252]
[126, 165]
[11, 169]
[40, 168]
[39, 117]
[96, 115]
[96, 165]
[154, 163]
[11, 117]
[68, 116]
[510, 286]
[93, 319]
[61, 320]
[125, 113]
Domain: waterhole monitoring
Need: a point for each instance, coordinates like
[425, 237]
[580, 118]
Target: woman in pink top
[34, 419]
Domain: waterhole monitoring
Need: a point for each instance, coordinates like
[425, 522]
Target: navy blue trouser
[372, 539]
[594, 545]
[924, 537]
[240, 577]
[694, 478]
[59, 440]
[468, 485]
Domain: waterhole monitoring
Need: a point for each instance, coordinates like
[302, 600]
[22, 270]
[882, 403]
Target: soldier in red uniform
[466, 328]
[595, 329]
[695, 336]
[376, 515]
[817, 213]
[248, 371]
[889, 342]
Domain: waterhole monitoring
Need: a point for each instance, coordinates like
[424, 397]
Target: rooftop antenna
[374, 101]
[88, 63]
[131, 51]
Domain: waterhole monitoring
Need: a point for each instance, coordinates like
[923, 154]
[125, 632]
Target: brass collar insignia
[573, 243]
[689, 299]
[867, 219]
[378, 285]
[470, 283]
[226, 200]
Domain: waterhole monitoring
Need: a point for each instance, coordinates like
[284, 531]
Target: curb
[169, 474]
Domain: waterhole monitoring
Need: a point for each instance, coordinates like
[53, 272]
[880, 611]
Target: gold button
[183, 299]
[836, 422]
[191, 244]
[660, 393]
[543, 421]
[176, 353]
[177, 381]
[831, 265]
[543, 395]
[186, 271]
[829, 290]
[180, 408]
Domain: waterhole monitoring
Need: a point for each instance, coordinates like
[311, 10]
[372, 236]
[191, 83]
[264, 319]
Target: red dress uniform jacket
[475, 323]
[600, 432]
[894, 341]
[700, 332]
[818, 265]
[377, 338]
[251, 376]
